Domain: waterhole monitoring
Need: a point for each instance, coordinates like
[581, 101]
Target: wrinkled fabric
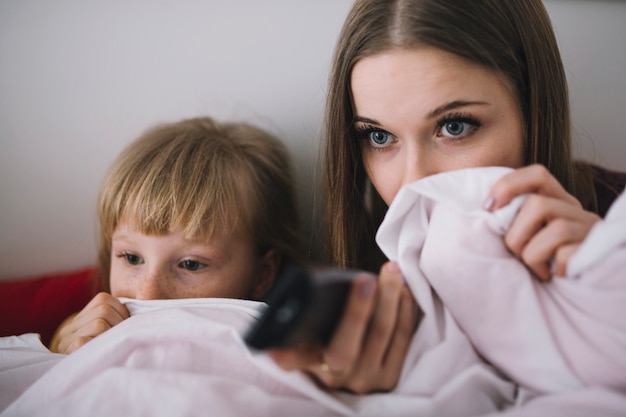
[493, 340]
[187, 357]
[170, 358]
[564, 336]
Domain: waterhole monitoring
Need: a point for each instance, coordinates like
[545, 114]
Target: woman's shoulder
[608, 184]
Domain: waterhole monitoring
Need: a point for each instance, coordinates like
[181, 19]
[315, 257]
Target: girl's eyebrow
[451, 106]
[120, 236]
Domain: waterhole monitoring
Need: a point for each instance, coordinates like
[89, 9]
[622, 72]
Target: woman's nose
[416, 167]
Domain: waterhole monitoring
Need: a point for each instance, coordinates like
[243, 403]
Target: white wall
[592, 38]
[79, 80]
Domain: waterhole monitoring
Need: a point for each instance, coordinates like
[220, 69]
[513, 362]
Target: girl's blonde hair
[511, 37]
[197, 175]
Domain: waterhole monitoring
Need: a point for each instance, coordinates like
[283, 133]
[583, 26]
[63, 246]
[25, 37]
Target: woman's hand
[103, 312]
[550, 225]
[367, 351]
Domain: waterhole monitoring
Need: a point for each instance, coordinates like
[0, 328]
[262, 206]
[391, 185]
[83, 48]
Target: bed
[493, 340]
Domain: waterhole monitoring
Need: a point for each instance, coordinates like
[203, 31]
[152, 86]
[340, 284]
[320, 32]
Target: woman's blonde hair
[196, 175]
[511, 37]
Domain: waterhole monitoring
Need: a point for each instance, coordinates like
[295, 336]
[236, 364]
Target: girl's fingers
[86, 333]
[76, 344]
[100, 314]
[105, 306]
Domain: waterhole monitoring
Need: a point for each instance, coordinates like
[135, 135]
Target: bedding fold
[493, 339]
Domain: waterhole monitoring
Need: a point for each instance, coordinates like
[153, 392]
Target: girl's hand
[103, 312]
[368, 348]
[550, 225]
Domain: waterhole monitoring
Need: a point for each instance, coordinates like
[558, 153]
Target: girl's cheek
[120, 287]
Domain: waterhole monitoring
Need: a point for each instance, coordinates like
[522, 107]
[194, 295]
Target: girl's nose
[150, 286]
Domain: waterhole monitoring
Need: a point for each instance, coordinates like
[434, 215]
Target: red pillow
[39, 305]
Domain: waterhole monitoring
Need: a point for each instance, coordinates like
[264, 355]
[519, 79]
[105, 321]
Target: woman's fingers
[408, 317]
[562, 257]
[345, 345]
[386, 314]
[383, 345]
[543, 226]
[538, 212]
[336, 363]
[530, 179]
[547, 224]
[540, 254]
[367, 350]
[296, 358]
[378, 339]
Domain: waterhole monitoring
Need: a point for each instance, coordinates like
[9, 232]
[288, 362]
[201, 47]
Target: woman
[420, 87]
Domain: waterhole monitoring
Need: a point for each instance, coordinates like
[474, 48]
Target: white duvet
[493, 339]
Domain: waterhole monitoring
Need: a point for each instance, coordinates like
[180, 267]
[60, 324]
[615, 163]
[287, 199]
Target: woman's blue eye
[378, 137]
[374, 137]
[192, 265]
[458, 126]
[455, 128]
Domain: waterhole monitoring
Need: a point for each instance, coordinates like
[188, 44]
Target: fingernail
[394, 268]
[367, 287]
[488, 204]
[552, 267]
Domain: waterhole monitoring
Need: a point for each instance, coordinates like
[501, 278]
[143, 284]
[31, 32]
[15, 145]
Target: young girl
[190, 209]
[420, 87]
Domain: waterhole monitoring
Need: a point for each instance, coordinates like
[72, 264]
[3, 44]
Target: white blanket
[565, 336]
[559, 347]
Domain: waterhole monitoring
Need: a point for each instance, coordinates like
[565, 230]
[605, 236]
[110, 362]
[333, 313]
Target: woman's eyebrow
[433, 113]
[451, 106]
[359, 119]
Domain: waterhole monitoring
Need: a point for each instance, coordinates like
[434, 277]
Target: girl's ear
[268, 269]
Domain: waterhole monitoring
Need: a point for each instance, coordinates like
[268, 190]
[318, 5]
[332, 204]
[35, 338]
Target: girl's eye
[192, 265]
[131, 258]
[457, 127]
